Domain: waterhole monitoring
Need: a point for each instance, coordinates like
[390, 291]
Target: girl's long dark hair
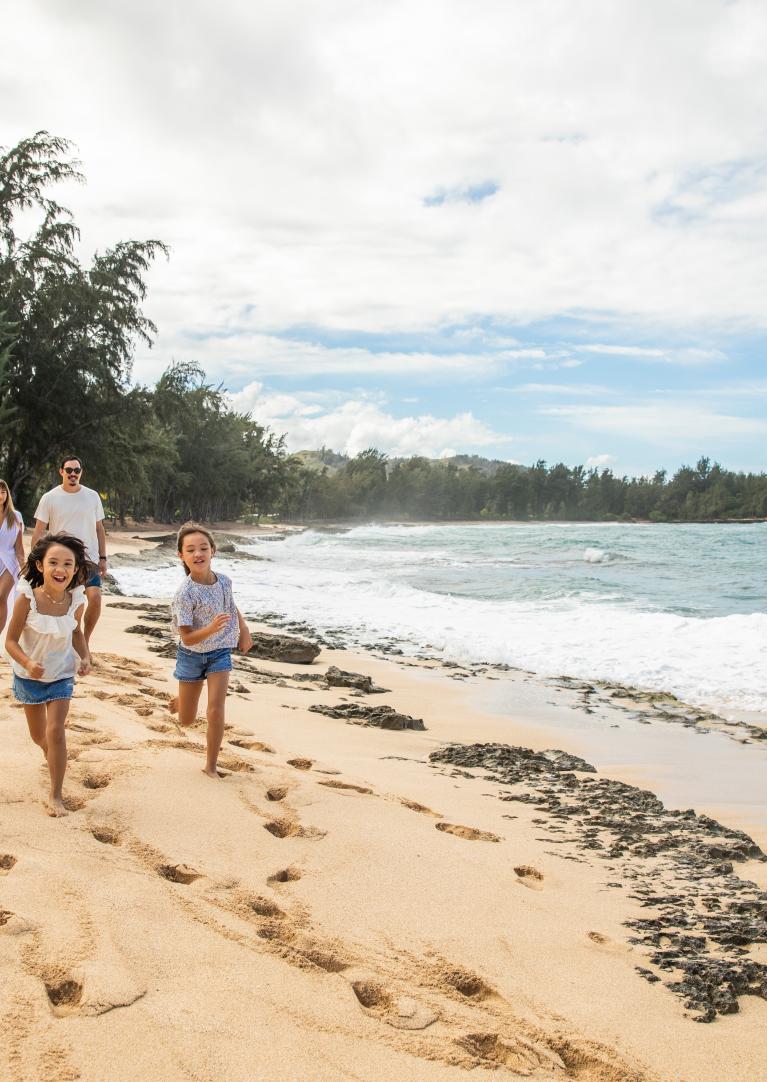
[84, 569]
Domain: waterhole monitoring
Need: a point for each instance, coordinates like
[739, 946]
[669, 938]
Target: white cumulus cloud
[351, 424]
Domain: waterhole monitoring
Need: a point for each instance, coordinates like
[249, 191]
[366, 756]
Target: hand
[218, 623]
[102, 565]
[245, 642]
[35, 670]
[85, 667]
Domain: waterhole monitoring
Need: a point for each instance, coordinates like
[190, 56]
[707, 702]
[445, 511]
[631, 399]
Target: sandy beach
[342, 906]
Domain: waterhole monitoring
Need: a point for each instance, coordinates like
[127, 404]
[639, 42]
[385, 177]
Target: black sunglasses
[72, 469]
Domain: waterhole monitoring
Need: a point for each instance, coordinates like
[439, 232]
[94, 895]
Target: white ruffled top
[48, 639]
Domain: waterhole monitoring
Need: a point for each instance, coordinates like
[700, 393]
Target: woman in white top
[46, 645]
[11, 550]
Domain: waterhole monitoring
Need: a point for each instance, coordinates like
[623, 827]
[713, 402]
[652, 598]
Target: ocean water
[679, 608]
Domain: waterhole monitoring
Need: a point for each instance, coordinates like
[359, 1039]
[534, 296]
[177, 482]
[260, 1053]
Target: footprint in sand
[235, 764]
[93, 988]
[96, 781]
[278, 792]
[416, 807]
[106, 835]
[178, 873]
[288, 828]
[6, 863]
[345, 785]
[257, 904]
[251, 745]
[517, 1053]
[529, 876]
[471, 834]
[284, 875]
[5, 916]
[607, 944]
[64, 993]
[399, 1011]
[451, 978]
[301, 764]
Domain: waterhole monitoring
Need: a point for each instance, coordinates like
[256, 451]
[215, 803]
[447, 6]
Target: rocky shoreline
[703, 918]
[677, 864]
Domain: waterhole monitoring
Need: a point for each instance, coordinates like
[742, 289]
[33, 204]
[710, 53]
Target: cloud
[600, 461]
[351, 423]
[586, 390]
[237, 352]
[684, 356]
[667, 424]
[284, 156]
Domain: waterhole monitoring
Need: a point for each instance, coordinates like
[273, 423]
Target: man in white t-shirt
[74, 509]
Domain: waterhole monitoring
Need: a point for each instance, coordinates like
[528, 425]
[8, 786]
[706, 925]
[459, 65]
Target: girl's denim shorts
[35, 692]
[192, 665]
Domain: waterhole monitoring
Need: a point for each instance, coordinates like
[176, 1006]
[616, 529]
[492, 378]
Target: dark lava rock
[150, 632]
[383, 717]
[144, 607]
[283, 648]
[337, 678]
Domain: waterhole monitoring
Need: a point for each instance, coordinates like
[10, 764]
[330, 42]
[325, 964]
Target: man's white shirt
[74, 513]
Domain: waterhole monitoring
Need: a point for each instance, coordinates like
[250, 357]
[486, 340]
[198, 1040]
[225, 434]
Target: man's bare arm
[39, 530]
[102, 540]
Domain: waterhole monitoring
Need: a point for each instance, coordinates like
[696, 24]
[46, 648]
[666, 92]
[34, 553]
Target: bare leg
[92, 613]
[6, 585]
[37, 721]
[187, 701]
[217, 685]
[57, 753]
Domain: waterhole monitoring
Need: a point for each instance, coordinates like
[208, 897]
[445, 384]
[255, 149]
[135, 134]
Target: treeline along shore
[178, 449]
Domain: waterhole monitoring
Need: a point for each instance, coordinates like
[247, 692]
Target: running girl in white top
[11, 550]
[47, 647]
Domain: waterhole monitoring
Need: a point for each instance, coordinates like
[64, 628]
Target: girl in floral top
[209, 626]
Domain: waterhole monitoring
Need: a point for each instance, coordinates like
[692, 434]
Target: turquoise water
[698, 570]
[673, 608]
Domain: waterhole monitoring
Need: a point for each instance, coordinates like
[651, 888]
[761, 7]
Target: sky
[526, 229]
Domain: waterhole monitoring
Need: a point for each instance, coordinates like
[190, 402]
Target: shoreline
[133, 549]
[635, 722]
[347, 901]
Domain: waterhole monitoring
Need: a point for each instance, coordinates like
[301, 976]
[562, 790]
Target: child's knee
[55, 732]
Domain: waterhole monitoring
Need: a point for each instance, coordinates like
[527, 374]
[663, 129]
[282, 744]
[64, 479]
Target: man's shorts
[94, 580]
[192, 665]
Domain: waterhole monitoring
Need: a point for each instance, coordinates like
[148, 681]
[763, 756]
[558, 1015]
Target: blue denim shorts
[94, 580]
[192, 665]
[35, 692]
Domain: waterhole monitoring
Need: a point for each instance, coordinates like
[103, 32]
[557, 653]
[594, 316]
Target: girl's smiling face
[196, 553]
[58, 567]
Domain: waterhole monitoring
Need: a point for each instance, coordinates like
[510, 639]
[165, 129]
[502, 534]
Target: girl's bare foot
[212, 773]
[56, 807]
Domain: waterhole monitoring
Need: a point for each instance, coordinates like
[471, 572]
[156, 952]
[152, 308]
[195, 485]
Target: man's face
[71, 473]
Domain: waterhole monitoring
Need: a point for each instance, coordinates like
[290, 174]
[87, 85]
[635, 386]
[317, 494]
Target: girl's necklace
[53, 600]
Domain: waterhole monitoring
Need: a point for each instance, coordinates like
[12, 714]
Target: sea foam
[473, 595]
